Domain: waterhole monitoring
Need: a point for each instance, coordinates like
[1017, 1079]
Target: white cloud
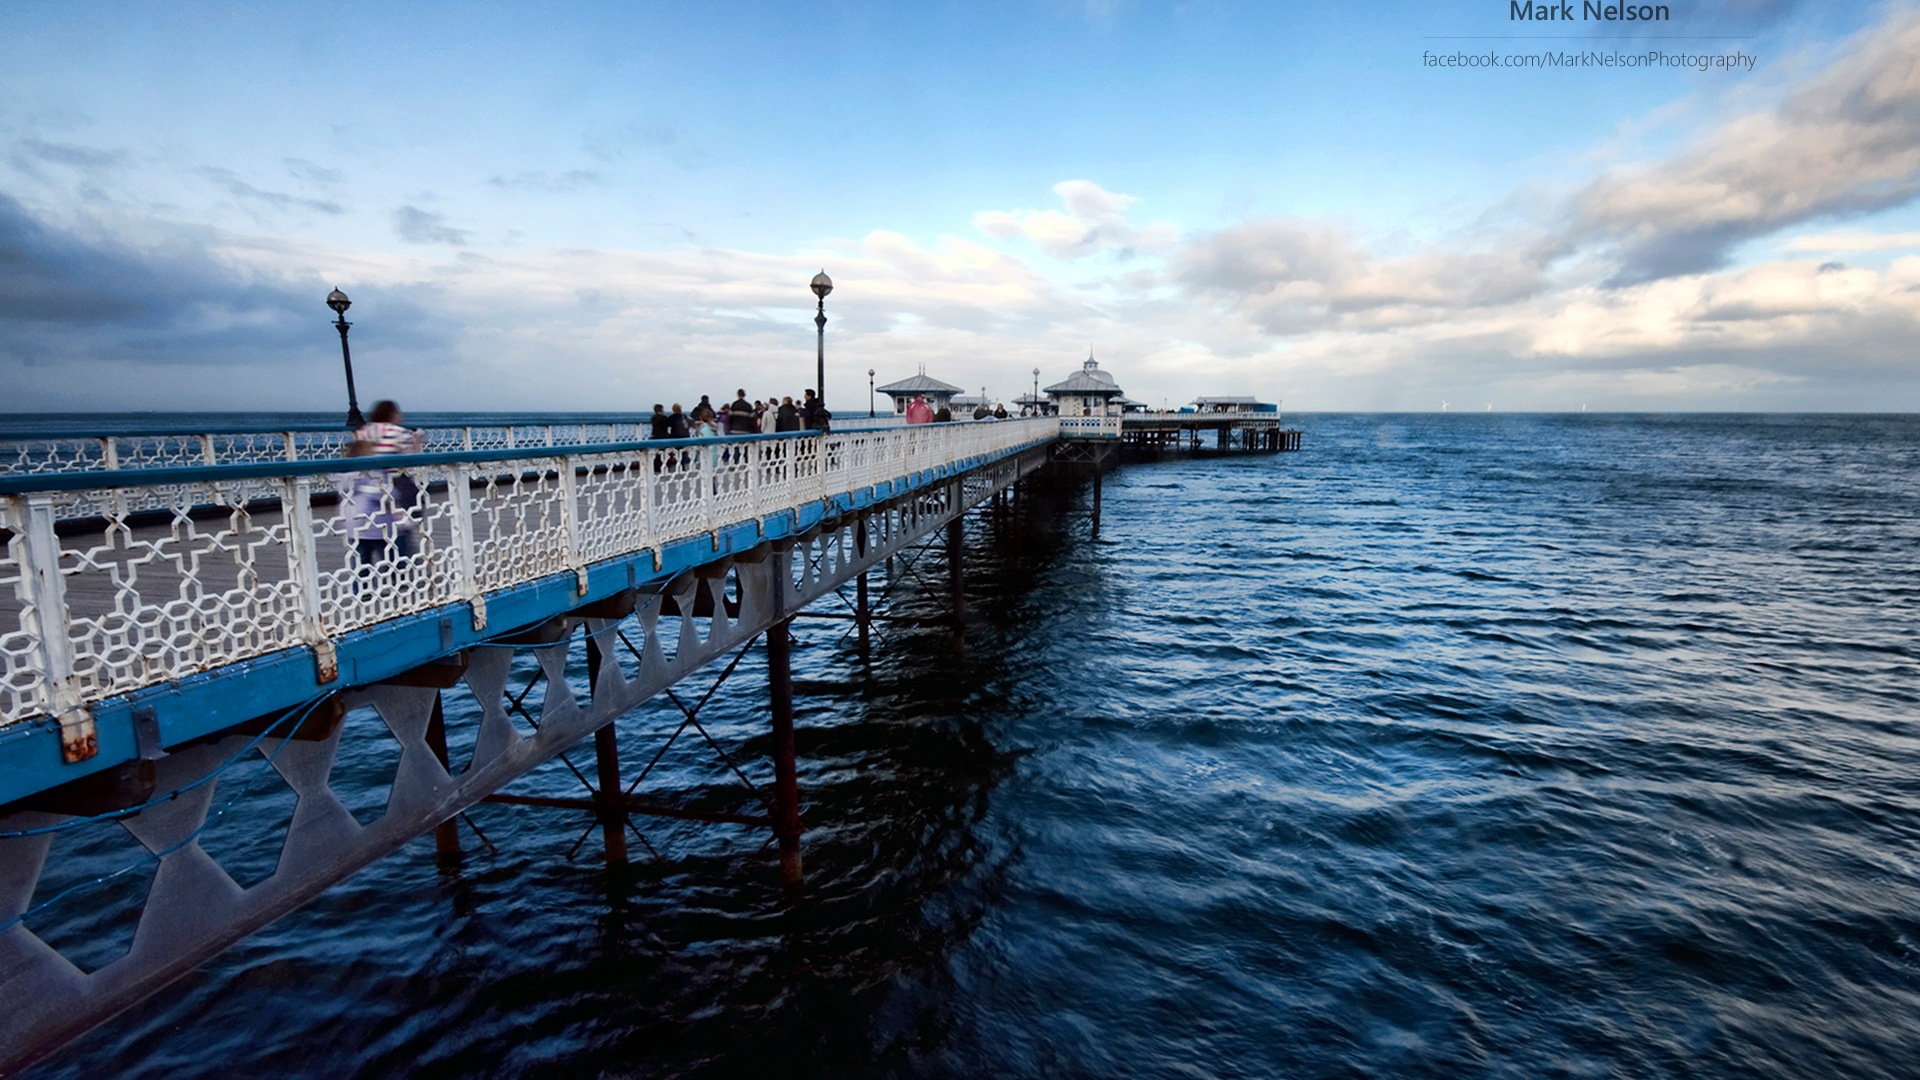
[417, 226]
[1095, 220]
[1847, 240]
[1846, 142]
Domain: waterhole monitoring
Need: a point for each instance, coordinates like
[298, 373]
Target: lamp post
[870, 393]
[338, 301]
[822, 285]
[1036, 392]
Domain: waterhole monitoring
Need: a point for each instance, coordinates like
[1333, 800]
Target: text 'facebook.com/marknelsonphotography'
[1553, 59]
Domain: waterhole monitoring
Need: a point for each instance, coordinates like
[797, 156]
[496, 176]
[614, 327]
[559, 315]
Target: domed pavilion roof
[1088, 380]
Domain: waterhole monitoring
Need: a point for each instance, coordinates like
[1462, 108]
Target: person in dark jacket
[814, 414]
[661, 425]
[677, 423]
[787, 418]
[742, 421]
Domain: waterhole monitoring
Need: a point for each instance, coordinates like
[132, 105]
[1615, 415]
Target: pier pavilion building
[1087, 392]
[939, 394]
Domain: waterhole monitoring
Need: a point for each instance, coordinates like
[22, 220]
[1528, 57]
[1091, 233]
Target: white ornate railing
[867, 423]
[96, 601]
[1089, 427]
[170, 450]
[36, 454]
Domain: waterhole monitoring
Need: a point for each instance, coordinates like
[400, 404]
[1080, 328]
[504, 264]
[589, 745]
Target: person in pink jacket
[918, 411]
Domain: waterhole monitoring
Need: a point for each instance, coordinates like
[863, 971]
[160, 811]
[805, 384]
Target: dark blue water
[1453, 745]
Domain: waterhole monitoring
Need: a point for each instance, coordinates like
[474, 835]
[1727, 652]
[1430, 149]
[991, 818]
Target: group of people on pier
[919, 411]
[740, 417]
[378, 506]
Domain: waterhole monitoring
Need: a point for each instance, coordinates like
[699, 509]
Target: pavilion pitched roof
[922, 383]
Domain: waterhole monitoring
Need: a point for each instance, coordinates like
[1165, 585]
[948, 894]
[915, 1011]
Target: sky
[600, 206]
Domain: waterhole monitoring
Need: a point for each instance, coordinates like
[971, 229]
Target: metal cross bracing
[977, 487]
[672, 608]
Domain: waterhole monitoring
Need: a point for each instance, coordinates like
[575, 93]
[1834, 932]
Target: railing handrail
[136, 429]
[98, 479]
[174, 446]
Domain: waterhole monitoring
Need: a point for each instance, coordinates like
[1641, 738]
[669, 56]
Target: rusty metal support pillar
[863, 611]
[1096, 499]
[957, 576]
[786, 779]
[1015, 506]
[606, 756]
[863, 614]
[446, 835]
[613, 820]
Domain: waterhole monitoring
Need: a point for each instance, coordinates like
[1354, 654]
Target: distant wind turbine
[1443, 405]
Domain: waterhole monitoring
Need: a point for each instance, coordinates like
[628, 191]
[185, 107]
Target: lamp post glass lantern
[1036, 393]
[338, 301]
[822, 285]
[870, 412]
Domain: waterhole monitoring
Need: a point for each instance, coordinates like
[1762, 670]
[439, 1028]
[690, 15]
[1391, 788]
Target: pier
[172, 603]
[1150, 435]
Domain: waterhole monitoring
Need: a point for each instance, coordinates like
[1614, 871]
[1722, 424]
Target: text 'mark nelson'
[1589, 11]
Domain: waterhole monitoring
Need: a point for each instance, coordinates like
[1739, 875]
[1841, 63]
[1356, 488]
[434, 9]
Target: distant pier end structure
[1209, 425]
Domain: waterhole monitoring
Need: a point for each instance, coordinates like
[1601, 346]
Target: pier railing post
[45, 593]
[820, 459]
[460, 494]
[570, 521]
[303, 565]
[110, 459]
